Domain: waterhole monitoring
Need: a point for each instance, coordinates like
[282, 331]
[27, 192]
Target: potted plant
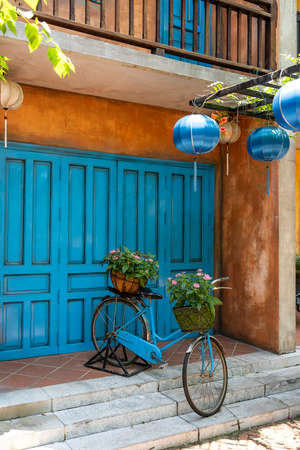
[194, 303]
[130, 271]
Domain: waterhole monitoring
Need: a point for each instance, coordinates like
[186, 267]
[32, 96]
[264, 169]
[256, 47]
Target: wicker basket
[189, 318]
[131, 286]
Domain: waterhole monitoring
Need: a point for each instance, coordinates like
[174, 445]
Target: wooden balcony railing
[234, 34]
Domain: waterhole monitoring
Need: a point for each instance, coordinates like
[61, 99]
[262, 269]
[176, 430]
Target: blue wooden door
[61, 213]
[158, 212]
[188, 26]
[88, 232]
[29, 238]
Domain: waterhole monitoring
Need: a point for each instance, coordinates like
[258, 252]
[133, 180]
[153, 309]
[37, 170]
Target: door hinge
[59, 214]
[58, 296]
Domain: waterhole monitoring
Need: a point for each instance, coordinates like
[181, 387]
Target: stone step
[190, 428]
[133, 410]
[27, 432]
[82, 393]
[248, 387]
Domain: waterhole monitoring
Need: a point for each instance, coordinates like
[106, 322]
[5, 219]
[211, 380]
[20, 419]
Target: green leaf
[60, 62]
[33, 35]
[3, 28]
[32, 4]
[12, 27]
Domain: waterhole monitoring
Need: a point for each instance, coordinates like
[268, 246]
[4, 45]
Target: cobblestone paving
[281, 436]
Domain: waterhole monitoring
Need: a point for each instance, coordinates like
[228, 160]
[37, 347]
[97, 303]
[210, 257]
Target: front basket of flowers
[193, 300]
[129, 270]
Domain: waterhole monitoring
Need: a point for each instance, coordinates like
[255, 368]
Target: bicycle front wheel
[110, 315]
[205, 378]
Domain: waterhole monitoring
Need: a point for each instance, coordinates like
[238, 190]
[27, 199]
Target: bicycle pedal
[163, 365]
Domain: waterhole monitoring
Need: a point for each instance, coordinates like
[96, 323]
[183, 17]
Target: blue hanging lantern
[286, 106]
[196, 134]
[268, 144]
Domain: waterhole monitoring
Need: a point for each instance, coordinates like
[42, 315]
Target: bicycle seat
[146, 292]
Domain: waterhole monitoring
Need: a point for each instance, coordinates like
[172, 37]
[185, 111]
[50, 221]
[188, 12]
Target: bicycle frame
[150, 352]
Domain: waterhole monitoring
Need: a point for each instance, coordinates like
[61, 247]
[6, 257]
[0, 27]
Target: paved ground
[281, 436]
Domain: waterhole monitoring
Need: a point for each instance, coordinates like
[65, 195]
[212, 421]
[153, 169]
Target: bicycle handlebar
[219, 279]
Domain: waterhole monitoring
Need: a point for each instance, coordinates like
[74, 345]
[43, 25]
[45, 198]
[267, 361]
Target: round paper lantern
[231, 133]
[11, 97]
[268, 144]
[196, 134]
[286, 106]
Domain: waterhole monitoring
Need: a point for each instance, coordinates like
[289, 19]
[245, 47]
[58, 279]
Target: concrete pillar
[287, 197]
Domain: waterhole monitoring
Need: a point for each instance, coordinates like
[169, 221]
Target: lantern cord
[227, 161]
[268, 180]
[195, 162]
[195, 175]
[5, 127]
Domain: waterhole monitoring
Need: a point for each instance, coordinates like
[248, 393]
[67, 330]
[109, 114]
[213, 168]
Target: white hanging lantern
[230, 133]
[11, 97]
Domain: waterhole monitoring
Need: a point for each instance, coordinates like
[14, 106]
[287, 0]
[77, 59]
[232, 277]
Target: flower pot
[189, 318]
[130, 286]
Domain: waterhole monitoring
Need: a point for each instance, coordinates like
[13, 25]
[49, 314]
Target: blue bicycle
[121, 330]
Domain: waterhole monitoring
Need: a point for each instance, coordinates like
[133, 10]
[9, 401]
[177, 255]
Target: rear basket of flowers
[130, 286]
[130, 270]
[190, 318]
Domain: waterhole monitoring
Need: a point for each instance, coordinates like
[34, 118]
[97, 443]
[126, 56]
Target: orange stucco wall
[246, 227]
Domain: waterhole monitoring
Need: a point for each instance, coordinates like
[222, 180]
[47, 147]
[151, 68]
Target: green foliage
[239, 100]
[132, 264]
[3, 67]
[192, 289]
[298, 263]
[36, 33]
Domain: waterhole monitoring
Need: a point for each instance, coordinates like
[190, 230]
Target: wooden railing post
[274, 13]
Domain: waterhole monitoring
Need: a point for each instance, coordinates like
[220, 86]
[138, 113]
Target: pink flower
[207, 277]
[136, 257]
[199, 274]
[196, 285]
[199, 270]
[150, 259]
[115, 257]
[177, 275]
[169, 278]
[112, 251]
[174, 282]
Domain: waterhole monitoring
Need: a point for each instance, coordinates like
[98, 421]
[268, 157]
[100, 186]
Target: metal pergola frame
[243, 91]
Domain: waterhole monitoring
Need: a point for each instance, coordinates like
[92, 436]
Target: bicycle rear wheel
[205, 384]
[114, 313]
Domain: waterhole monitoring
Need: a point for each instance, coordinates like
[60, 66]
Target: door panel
[159, 212]
[88, 232]
[29, 255]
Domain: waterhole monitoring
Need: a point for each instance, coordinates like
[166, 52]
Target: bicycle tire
[106, 324]
[200, 387]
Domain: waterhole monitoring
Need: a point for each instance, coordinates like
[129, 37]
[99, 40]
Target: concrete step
[82, 393]
[134, 410]
[248, 387]
[190, 428]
